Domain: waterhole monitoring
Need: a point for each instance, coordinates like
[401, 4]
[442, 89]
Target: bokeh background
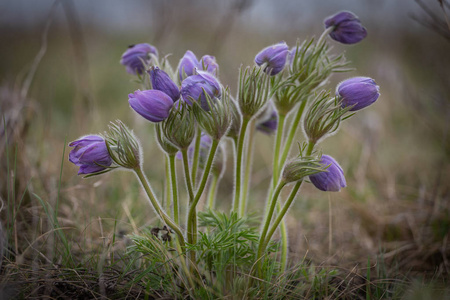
[60, 78]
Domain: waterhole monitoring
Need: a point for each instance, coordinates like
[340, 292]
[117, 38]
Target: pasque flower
[161, 81]
[135, 57]
[187, 64]
[194, 88]
[274, 57]
[153, 105]
[358, 92]
[347, 28]
[331, 180]
[208, 63]
[90, 154]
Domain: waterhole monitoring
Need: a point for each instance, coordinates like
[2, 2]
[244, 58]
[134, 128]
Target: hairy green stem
[196, 156]
[190, 227]
[192, 214]
[248, 167]
[282, 213]
[154, 202]
[167, 193]
[240, 148]
[276, 152]
[292, 131]
[173, 176]
[212, 190]
[262, 244]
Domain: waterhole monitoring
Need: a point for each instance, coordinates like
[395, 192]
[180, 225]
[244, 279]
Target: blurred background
[60, 78]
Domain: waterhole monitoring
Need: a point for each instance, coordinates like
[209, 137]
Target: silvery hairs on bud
[253, 90]
[302, 166]
[323, 116]
[179, 127]
[165, 145]
[123, 147]
[217, 120]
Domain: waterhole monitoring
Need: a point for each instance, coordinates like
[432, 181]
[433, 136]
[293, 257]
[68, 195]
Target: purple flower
[208, 63]
[153, 105]
[90, 154]
[331, 180]
[187, 64]
[162, 82]
[194, 87]
[347, 28]
[268, 121]
[274, 57]
[358, 91]
[135, 57]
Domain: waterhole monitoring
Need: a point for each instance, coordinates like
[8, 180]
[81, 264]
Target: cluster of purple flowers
[196, 81]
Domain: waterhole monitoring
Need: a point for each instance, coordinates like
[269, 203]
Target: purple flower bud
[90, 154]
[187, 64]
[274, 57]
[134, 57]
[347, 28]
[162, 82]
[358, 91]
[331, 180]
[208, 63]
[194, 87]
[268, 121]
[153, 105]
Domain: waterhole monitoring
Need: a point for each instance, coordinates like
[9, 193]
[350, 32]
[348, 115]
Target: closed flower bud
[135, 58]
[358, 92]
[208, 63]
[301, 167]
[268, 121]
[347, 28]
[331, 180]
[153, 105]
[123, 146]
[90, 154]
[274, 58]
[161, 81]
[179, 127]
[187, 65]
[194, 87]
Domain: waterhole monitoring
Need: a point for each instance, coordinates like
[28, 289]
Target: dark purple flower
[153, 105]
[268, 122]
[358, 91]
[194, 87]
[90, 154]
[161, 81]
[187, 64]
[208, 63]
[331, 180]
[347, 28]
[274, 57]
[135, 57]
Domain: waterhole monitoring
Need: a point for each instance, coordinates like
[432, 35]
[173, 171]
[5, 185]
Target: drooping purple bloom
[161, 81]
[331, 180]
[268, 122]
[208, 63]
[90, 154]
[347, 28]
[274, 57]
[153, 105]
[135, 57]
[187, 64]
[194, 87]
[358, 91]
